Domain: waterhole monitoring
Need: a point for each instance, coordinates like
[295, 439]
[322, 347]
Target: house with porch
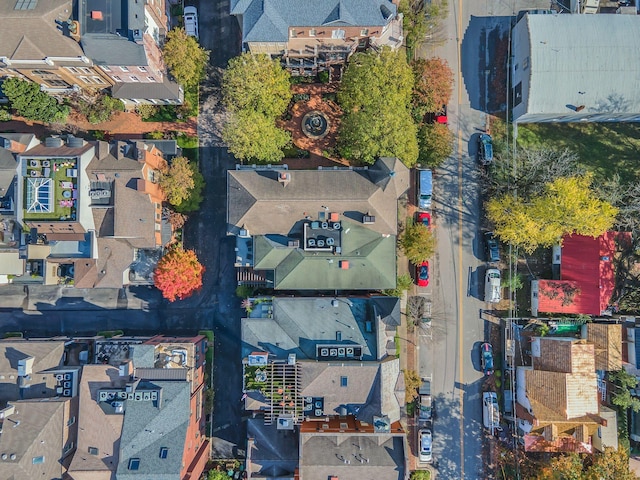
[312, 37]
[325, 229]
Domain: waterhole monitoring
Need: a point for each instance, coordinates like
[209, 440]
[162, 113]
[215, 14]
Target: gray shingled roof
[167, 90]
[34, 34]
[321, 452]
[269, 20]
[370, 391]
[258, 201]
[39, 433]
[299, 324]
[147, 429]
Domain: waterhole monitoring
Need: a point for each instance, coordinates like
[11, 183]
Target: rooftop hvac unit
[308, 399]
[318, 412]
[324, 225]
[102, 396]
[311, 242]
[321, 243]
[308, 407]
[330, 241]
[341, 352]
[349, 351]
[111, 395]
[324, 352]
[154, 395]
[146, 396]
[122, 395]
[67, 384]
[130, 396]
[138, 396]
[67, 376]
[336, 226]
[333, 352]
[59, 376]
[58, 390]
[66, 393]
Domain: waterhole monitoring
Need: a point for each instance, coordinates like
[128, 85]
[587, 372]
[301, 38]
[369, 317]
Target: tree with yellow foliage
[568, 205]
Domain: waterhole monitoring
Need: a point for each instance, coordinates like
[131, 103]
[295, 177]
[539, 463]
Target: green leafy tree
[608, 465]
[375, 95]
[512, 282]
[566, 206]
[253, 136]
[99, 109]
[177, 181]
[621, 396]
[217, 475]
[435, 143]
[433, 85]
[5, 115]
[184, 57]
[414, 22]
[403, 283]
[194, 199]
[29, 102]
[417, 243]
[256, 83]
[420, 475]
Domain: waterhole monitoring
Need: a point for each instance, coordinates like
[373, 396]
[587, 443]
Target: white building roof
[590, 60]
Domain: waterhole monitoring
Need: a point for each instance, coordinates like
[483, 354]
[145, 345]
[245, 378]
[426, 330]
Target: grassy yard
[604, 148]
[56, 171]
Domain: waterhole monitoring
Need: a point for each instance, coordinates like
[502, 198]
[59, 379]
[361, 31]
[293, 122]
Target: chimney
[284, 178]
[579, 108]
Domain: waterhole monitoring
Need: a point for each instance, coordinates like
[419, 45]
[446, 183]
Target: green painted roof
[371, 257]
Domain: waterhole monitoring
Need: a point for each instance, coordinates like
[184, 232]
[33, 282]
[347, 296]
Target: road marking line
[460, 204]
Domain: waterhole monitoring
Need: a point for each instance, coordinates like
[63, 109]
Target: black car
[491, 246]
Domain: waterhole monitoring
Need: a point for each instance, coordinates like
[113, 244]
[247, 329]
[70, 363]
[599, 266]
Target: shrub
[324, 76]
[146, 111]
[5, 115]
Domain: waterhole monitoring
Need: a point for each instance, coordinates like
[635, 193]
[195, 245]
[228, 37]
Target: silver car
[191, 21]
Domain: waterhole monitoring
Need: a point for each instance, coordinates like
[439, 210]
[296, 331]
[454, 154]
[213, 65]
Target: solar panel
[25, 4]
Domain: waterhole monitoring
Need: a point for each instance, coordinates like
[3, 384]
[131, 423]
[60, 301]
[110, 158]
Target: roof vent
[284, 178]
[53, 142]
[368, 219]
[293, 243]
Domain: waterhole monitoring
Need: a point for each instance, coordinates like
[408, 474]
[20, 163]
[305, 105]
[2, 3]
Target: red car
[425, 219]
[422, 274]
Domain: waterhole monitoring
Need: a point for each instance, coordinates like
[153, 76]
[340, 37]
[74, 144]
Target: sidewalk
[123, 125]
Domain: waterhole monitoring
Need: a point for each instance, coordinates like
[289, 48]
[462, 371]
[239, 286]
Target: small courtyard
[313, 119]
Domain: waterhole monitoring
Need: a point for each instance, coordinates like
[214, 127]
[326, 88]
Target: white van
[191, 21]
[492, 288]
[425, 189]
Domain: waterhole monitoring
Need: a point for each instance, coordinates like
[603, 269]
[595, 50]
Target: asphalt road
[450, 356]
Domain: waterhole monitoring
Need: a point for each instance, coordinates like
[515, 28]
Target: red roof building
[587, 277]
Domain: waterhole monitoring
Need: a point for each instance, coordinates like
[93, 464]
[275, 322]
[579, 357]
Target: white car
[425, 441]
[191, 21]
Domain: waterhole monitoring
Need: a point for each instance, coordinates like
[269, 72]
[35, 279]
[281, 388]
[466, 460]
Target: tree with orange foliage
[178, 274]
[433, 85]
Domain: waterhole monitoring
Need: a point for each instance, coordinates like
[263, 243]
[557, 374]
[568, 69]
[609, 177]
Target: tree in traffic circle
[178, 274]
[433, 85]
[418, 243]
[184, 57]
[252, 136]
[30, 102]
[435, 143]
[567, 205]
[256, 83]
[375, 95]
[177, 180]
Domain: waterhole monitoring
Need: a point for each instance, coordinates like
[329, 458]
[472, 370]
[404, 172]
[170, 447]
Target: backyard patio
[50, 189]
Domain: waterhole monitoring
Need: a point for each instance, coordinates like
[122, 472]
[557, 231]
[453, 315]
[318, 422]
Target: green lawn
[57, 176]
[604, 148]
